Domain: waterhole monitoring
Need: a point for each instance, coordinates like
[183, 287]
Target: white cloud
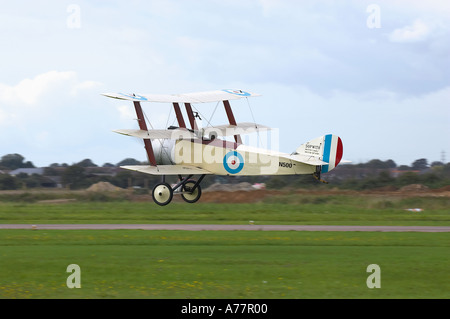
[418, 31]
[30, 91]
[33, 100]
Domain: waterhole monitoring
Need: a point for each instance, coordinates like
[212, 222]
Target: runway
[250, 227]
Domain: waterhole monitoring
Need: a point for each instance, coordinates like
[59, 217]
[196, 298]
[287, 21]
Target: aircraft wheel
[188, 195]
[162, 194]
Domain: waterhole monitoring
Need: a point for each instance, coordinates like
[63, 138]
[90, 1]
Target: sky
[375, 73]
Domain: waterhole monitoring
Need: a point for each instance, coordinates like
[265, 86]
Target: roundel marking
[135, 96]
[233, 162]
[237, 92]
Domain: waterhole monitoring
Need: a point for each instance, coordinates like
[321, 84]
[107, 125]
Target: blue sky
[373, 72]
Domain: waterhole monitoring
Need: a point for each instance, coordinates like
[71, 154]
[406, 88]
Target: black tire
[162, 194]
[187, 195]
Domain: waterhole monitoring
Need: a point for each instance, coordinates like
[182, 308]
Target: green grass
[222, 264]
[286, 209]
[227, 264]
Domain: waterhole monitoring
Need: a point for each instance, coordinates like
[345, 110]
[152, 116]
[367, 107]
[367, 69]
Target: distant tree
[14, 161]
[128, 161]
[408, 178]
[375, 163]
[437, 163]
[420, 164]
[446, 170]
[385, 178]
[28, 164]
[379, 164]
[390, 164]
[108, 165]
[404, 168]
[430, 178]
[74, 177]
[86, 163]
[8, 182]
[123, 178]
[51, 171]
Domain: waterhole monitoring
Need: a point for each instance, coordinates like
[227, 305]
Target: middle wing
[239, 128]
[181, 133]
[158, 134]
[168, 169]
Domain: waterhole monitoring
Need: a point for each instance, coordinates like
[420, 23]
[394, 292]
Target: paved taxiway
[199, 227]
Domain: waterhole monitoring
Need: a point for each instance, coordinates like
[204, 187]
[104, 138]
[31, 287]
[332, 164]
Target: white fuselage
[227, 158]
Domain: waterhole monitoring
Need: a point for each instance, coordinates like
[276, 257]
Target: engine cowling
[164, 151]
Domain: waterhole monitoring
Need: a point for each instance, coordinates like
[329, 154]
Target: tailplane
[327, 149]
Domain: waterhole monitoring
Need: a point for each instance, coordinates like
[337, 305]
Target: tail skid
[316, 175]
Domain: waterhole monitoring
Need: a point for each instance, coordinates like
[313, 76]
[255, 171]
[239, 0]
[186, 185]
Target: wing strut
[143, 126]
[231, 119]
[180, 119]
[191, 116]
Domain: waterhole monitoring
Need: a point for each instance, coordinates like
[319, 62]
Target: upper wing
[168, 169]
[199, 97]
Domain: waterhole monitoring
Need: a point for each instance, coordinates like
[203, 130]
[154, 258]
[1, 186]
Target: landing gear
[162, 194]
[316, 174]
[189, 189]
[190, 193]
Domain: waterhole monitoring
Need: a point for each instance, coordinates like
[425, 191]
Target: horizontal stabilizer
[199, 97]
[167, 169]
[310, 160]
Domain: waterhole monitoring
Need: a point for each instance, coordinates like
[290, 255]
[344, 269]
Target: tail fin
[326, 148]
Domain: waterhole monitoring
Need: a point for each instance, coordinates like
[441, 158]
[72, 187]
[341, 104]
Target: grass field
[227, 264]
[288, 209]
[222, 264]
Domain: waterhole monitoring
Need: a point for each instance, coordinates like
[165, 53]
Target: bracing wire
[203, 116]
[150, 123]
[159, 140]
[256, 126]
[210, 119]
[168, 117]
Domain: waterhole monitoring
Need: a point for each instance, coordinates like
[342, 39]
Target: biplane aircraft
[185, 152]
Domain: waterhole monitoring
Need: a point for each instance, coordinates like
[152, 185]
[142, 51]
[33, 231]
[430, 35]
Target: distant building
[28, 171]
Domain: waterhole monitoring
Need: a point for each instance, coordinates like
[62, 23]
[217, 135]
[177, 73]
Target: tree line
[372, 174]
[15, 161]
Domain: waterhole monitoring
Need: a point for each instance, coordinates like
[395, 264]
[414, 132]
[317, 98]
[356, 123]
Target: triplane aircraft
[186, 152]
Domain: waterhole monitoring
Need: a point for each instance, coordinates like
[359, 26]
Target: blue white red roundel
[233, 162]
[135, 96]
[237, 92]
